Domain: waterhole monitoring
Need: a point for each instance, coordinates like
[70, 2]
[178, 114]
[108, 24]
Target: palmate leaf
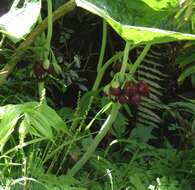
[139, 21]
[18, 22]
[38, 120]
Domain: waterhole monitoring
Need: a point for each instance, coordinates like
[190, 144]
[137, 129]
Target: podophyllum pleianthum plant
[37, 119]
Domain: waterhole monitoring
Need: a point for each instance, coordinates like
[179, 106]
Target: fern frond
[151, 71]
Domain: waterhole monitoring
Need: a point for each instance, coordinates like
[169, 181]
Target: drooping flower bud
[130, 89]
[143, 88]
[135, 99]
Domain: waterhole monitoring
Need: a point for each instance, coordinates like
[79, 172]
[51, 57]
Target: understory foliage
[101, 99]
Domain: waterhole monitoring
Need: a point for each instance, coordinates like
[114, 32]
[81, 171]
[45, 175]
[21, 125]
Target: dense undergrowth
[97, 103]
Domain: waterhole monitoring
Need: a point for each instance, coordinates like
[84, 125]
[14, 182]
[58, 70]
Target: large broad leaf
[139, 21]
[18, 22]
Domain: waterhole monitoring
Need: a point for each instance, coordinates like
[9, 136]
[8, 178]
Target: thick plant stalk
[8, 68]
[103, 131]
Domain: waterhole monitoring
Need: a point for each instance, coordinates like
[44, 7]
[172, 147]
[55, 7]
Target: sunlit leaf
[139, 21]
[9, 117]
[18, 22]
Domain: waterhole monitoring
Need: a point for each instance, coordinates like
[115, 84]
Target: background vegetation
[97, 94]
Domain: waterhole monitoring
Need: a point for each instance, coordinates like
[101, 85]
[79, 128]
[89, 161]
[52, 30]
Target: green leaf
[38, 120]
[48, 115]
[9, 116]
[186, 73]
[103, 110]
[119, 126]
[18, 22]
[185, 59]
[184, 106]
[142, 133]
[138, 21]
[148, 112]
[40, 124]
[66, 113]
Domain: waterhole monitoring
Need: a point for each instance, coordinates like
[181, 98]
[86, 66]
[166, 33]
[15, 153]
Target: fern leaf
[151, 72]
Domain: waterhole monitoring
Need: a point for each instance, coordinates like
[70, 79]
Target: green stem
[103, 131]
[101, 72]
[125, 61]
[50, 26]
[140, 59]
[103, 46]
[98, 80]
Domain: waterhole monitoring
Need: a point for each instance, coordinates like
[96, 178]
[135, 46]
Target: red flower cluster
[41, 72]
[130, 93]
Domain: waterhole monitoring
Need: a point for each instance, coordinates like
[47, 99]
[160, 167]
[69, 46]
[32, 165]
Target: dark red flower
[39, 70]
[115, 91]
[123, 99]
[135, 99]
[143, 88]
[130, 89]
